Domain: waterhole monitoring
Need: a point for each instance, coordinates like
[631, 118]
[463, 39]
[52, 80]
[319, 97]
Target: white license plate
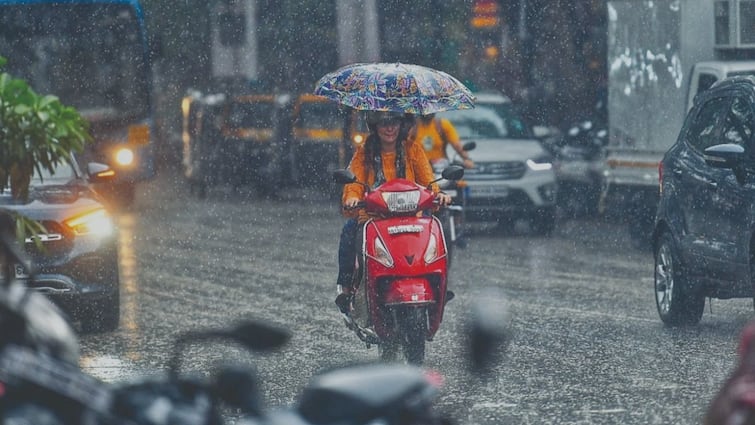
[18, 271]
[496, 191]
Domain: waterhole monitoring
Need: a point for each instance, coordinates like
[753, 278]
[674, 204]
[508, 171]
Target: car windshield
[484, 122]
[63, 173]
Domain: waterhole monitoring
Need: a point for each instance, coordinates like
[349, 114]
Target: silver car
[513, 176]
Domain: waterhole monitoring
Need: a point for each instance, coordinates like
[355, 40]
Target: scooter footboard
[410, 290]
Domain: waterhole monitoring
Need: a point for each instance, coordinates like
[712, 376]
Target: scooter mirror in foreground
[253, 335]
[453, 172]
[469, 146]
[259, 336]
[344, 177]
[489, 331]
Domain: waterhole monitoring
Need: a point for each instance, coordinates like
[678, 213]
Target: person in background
[435, 134]
[389, 152]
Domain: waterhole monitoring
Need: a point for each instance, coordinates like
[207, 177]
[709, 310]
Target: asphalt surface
[587, 345]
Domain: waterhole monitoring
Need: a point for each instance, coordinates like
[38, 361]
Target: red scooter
[400, 283]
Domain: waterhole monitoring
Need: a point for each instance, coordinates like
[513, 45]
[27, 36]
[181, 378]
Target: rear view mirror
[344, 177]
[727, 155]
[98, 172]
[469, 146]
[453, 172]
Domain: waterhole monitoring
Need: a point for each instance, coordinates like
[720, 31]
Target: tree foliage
[36, 132]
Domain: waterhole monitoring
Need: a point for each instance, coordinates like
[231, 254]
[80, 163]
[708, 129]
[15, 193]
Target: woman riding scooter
[388, 153]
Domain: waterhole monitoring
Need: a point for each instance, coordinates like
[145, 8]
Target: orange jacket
[418, 169]
[433, 141]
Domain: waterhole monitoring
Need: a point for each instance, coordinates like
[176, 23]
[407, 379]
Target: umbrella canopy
[395, 87]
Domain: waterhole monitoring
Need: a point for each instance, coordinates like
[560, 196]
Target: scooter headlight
[402, 201]
[431, 252]
[382, 255]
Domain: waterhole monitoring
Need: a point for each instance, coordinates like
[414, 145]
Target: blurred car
[513, 176]
[76, 258]
[704, 234]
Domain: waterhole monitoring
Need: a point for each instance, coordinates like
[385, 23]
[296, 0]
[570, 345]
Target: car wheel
[677, 302]
[104, 316]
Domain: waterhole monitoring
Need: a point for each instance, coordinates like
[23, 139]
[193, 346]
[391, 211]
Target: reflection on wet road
[104, 365]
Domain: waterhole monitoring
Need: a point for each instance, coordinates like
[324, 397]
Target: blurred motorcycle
[40, 381]
[452, 216]
[579, 165]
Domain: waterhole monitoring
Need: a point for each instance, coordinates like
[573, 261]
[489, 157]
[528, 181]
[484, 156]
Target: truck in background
[660, 55]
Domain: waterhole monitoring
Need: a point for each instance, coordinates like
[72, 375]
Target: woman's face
[387, 132]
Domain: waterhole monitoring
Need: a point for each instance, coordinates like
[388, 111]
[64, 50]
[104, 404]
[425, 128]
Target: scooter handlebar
[359, 205]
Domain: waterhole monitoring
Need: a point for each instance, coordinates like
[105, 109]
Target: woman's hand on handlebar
[351, 203]
[443, 199]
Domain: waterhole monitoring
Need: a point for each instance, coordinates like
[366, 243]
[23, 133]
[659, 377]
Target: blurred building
[548, 55]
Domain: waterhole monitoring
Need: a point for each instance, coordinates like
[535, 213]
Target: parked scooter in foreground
[400, 284]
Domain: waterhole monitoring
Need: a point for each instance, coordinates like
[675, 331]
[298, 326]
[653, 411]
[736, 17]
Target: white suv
[513, 176]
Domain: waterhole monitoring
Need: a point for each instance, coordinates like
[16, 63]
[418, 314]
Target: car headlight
[97, 222]
[431, 252]
[382, 255]
[124, 157]
[540, 163]
[402, 201]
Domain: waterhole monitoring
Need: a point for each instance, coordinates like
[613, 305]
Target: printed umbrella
[395, 87]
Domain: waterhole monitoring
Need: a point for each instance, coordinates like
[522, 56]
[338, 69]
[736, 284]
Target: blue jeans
[347, 252]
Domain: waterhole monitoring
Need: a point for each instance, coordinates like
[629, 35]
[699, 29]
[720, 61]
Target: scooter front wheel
[413, 327]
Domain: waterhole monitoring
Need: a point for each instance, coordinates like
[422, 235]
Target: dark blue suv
[704, 236]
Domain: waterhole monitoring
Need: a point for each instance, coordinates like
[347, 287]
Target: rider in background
[389, 152]
[434, 134]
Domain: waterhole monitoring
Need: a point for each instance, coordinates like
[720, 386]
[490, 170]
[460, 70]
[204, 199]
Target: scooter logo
[404, 228]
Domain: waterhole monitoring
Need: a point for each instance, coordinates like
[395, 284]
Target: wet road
[588, 346]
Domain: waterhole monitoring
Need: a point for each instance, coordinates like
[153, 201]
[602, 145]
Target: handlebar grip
[360, 204]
